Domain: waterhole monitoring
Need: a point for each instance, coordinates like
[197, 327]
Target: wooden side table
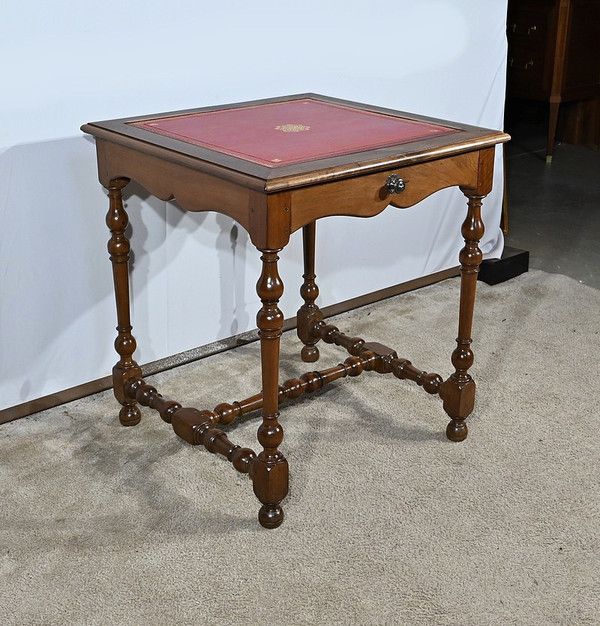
[276, 166]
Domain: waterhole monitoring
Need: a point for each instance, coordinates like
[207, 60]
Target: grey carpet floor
[387, 522]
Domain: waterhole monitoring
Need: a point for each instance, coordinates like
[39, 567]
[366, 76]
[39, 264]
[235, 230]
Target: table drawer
[366, 196]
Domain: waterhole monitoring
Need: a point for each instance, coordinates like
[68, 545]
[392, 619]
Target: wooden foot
[310, 354]
[130, 415]
[458, 395]
[457, 431]
[270, 516]
[270, 480]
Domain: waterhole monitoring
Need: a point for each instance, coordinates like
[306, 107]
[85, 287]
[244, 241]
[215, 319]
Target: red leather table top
[283, 133]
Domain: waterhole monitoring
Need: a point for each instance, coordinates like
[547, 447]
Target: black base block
[512, 263]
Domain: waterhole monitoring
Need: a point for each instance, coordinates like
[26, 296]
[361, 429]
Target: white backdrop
[68, 62]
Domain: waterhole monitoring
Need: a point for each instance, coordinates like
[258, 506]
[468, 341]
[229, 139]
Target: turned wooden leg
[552, 124]
[270, 469]
[458, 392]
[309, 312]
[118, 248]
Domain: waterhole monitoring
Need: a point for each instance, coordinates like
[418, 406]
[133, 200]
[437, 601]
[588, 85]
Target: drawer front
[366, 196]
[527, 23]
[526, 66]
[529, 32]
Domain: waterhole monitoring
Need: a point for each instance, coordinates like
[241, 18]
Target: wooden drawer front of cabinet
[526, 67]
[530, 31]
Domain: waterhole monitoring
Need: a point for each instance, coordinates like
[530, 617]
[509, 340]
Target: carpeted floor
[387, 522]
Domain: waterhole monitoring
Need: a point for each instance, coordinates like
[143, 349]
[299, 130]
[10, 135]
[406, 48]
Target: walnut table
[276, 166]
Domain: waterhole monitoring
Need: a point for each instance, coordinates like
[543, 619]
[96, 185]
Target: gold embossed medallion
[292, 128]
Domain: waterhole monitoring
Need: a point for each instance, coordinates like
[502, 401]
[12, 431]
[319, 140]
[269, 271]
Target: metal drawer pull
[525, 66]
[530, 29]
[395, 184]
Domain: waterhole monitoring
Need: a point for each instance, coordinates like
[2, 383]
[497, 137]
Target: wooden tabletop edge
[358, 167]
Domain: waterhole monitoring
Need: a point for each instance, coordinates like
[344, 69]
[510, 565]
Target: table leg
[552, 124]
[125, 345]
[309, 312]
[458, 392]
[270, 469]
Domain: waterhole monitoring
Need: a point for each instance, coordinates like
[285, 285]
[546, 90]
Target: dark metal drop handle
[395, 184]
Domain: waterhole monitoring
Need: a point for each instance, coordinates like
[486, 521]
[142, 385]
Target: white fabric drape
[66, 63]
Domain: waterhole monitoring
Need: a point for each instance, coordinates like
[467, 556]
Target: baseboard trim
[161, 365]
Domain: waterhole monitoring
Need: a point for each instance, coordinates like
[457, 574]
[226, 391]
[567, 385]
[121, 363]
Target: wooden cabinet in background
[554, 54]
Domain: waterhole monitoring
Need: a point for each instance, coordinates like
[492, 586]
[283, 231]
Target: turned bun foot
[457, 431]
[309, 354]
[270, 516]
[130, 415]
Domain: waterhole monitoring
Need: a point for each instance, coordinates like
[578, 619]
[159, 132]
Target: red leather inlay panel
[294, 131]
